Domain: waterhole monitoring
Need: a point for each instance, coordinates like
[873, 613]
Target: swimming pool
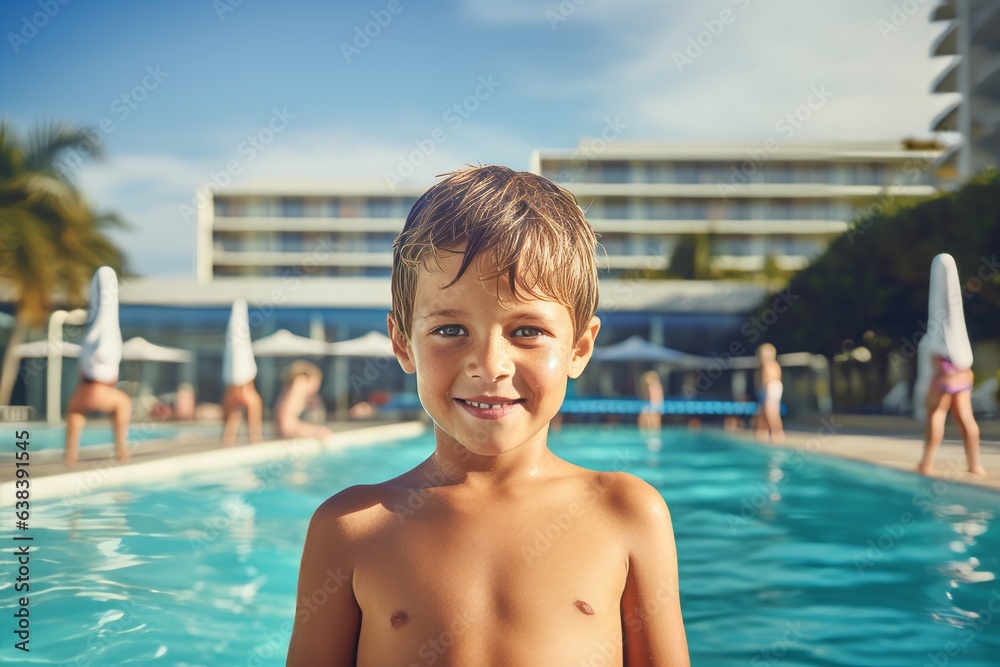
[785, 558]
[54, 437]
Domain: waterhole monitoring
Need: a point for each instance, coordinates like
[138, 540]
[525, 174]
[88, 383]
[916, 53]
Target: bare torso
[446, 575]
[447, 578]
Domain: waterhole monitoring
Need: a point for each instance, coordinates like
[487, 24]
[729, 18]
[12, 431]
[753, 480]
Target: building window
[379, 207]
[659, 172]
[292, 207]
[685, 172]
[615, 172]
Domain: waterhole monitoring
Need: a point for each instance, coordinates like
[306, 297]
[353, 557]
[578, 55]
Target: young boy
[494, 290]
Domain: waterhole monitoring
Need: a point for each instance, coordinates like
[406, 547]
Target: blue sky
[211, 74]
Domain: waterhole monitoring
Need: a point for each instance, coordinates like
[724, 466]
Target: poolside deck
[896, 442]
[157, 460]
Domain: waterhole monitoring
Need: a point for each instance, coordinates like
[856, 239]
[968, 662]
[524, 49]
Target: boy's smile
[491, 369]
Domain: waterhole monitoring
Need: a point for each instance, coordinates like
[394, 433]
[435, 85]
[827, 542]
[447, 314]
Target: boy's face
[468, 344]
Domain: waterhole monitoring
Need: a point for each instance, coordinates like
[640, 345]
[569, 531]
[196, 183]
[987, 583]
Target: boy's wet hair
[529, 227]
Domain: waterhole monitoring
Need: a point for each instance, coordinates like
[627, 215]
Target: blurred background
[757, 172]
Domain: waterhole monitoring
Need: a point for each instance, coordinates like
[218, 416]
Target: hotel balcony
[947, 43]
[947, 81]
[945, 12]
[947, 120]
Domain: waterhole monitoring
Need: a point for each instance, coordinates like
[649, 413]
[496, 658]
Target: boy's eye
[528, 332]
[450, 330]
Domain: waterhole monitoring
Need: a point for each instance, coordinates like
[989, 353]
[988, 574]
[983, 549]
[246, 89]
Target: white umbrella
[283, 343]
[140, 349]
[372, 344]
[40, 348]
[639, 349]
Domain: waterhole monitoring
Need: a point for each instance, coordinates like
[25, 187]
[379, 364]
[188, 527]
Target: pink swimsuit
[949, 369]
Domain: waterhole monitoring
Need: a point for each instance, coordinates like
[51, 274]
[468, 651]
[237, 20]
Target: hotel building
[972, 33]
[751, 202]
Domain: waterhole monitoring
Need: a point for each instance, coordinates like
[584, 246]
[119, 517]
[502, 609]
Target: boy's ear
[400, 346]
[584, 348]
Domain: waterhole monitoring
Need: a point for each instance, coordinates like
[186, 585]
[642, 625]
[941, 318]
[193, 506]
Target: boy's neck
[453, 464]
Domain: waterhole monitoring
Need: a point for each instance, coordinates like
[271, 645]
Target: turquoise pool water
[785, 558]
[54, 437]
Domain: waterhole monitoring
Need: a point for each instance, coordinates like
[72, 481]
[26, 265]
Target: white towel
[101, 351]
[946, 333]
[238, 365]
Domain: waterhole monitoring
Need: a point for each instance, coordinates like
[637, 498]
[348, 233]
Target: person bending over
[100, 358]
[301, 388]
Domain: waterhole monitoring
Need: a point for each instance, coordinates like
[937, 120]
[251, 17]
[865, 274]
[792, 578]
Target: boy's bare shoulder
[629, 498]
[354, 510]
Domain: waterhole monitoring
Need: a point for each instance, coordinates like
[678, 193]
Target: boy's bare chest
[515, 572]
[496, 557]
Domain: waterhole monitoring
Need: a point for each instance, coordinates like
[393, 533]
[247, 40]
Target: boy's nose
[491, 360]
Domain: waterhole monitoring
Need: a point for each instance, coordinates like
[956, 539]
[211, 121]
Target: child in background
[769, 426]
[301, 388]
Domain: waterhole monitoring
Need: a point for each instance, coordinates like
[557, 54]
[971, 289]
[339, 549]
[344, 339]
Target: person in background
[769, 426]
[301, 388]
[945, 367]
[100, 357]
[239, 368]
[651, 391]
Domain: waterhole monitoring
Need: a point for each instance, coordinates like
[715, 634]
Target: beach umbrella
[639, 349]
[140, 349]
[372, 344]
[40, 348]
[283, 343]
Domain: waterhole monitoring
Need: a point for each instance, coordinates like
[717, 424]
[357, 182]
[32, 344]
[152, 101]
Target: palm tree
[50, 239]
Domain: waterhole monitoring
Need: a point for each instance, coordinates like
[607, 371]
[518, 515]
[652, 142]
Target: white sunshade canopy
[372, 344]
[283, 343]
[140, 349]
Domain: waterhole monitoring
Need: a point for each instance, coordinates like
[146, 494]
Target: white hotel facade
[641, 199]
[972, 37]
